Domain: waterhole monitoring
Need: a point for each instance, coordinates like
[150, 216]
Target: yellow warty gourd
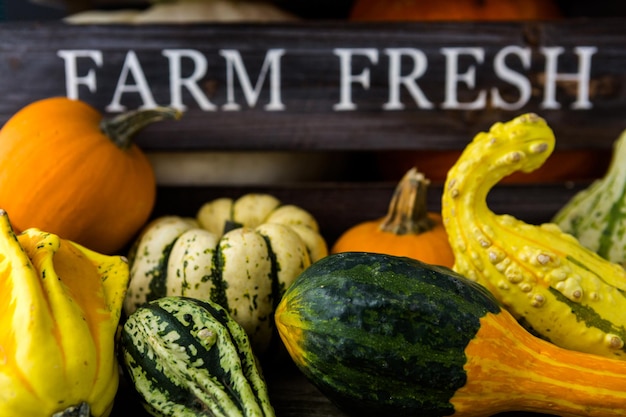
[564, 292]
[60, 305]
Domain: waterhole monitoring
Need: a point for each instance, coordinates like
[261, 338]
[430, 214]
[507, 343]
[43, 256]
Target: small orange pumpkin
[66, 170]
[407, 10]
[408, 229]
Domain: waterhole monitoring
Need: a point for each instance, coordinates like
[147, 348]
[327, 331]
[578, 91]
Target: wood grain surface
[310, 80]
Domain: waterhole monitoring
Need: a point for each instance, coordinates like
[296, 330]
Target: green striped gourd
[596, 215]
[189, 358]
[388, 336]
[241, 254]
[561, 290]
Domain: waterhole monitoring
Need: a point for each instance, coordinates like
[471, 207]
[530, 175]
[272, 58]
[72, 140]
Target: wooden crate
[335, 89]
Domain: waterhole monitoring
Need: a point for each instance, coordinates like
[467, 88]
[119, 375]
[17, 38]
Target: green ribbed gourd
[596, 216]
[188, 358]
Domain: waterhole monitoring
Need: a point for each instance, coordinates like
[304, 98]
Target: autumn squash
[408, 229]
[381, 335]
[187, 357]
[546, 278]
[464, 10]
[239, 253]
[66, 170]
[60, 306]
[595, 215]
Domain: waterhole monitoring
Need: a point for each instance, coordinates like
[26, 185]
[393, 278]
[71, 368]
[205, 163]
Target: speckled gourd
[189, 358]
[240, 253]
[561, 290]
[596, 215]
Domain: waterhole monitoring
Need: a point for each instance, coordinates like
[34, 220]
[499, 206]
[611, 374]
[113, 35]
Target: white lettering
[582, 77]
[177, 82]
[347, 78]
[420, 63]
[453, 78]
[72, 80]
[514, 78]
[234, 64]
[131, 66]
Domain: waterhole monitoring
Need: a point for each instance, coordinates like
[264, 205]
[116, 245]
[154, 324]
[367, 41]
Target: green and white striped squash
[596, 216]
[187, 358]
[241, 254]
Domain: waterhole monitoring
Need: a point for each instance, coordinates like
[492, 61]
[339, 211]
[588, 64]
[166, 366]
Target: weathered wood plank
[294, 105]
[338, 206]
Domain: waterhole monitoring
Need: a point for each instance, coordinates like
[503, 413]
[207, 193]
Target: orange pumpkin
[413, 10]
[60, 172]
[408, 229]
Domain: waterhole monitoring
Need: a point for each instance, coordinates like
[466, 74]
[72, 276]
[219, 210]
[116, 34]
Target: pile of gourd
[462, 312]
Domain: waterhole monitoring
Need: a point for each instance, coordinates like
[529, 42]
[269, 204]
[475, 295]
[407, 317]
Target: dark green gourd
[406, 324]
[188, 357]
[389, 336]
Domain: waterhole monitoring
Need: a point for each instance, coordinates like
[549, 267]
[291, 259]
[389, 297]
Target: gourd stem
[122, 128]
[408, 210]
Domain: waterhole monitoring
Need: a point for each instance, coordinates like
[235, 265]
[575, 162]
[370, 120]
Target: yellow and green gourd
[189, 358]
[561, 290]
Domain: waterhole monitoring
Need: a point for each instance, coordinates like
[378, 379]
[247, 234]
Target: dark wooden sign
[332, 85]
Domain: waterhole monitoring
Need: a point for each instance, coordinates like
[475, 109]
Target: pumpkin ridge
[158, 285]
[218, 291]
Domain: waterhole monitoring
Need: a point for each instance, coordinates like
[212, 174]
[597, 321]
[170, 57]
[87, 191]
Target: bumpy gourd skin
[546, 278]
[60, 304]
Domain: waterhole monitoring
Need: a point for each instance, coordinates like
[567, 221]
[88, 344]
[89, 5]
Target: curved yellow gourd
[564, 292]
[60, 305]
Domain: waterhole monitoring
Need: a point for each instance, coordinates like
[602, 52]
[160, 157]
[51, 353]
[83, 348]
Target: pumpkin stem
[122, 128]
[81, 410]
[408, 210]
